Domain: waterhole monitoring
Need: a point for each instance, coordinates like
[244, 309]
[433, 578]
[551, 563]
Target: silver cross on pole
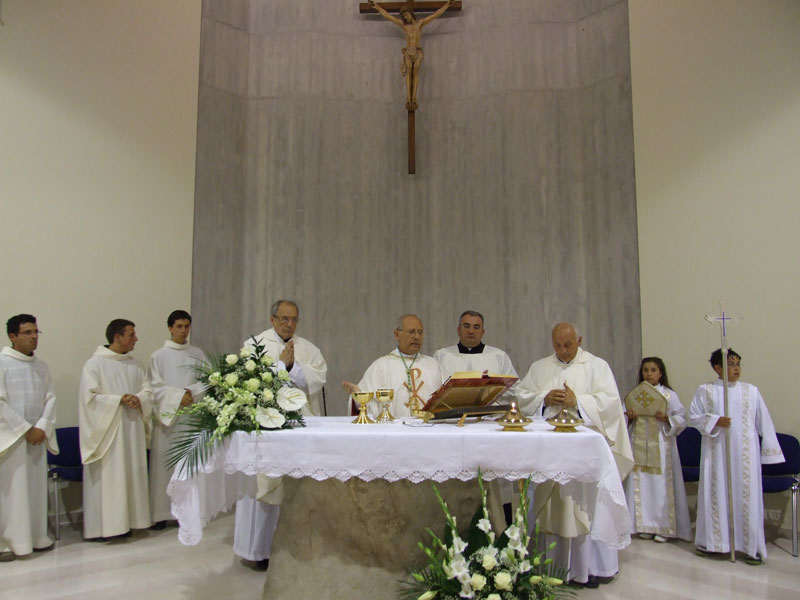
[722, 319]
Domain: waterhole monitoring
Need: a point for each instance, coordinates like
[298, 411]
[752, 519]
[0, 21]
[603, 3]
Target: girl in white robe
[657, 502]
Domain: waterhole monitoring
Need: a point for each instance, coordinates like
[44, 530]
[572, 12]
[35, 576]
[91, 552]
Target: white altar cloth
[332, 447]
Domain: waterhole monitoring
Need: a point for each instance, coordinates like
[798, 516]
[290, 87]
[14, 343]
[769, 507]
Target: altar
[358, 498]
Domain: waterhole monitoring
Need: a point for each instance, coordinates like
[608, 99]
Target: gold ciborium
[384, 396]
[565, 421]
[513, 420]
[362, 398]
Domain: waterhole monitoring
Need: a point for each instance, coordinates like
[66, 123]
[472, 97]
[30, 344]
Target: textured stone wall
[522, 207]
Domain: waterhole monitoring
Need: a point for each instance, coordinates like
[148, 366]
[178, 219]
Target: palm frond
[192, 442]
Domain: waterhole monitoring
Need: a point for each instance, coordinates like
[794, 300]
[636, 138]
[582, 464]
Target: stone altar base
[357, 539]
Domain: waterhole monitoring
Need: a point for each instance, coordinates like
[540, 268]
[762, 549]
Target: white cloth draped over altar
[333, 448]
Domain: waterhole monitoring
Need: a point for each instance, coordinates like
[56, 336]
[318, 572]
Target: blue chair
[64, 466]
[783, 477]
[689, 441]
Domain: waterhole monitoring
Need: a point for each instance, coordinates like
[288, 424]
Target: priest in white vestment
[173, 380]
[471, 354]
[657, 500]
[256, 520]
[582, 382]
[27, 431]
[412, 375]
[115, 406]
[748, 419]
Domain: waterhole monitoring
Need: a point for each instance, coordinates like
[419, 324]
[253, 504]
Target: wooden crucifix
[412, 52]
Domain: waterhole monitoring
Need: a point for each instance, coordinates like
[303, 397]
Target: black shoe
[753, 560]
[159, 526]
[46, 548]
[256, 565]
[605, 580]
[592, 582]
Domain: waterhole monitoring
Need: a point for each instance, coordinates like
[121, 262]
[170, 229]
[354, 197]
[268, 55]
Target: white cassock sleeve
[700, 416]
[770, 447]
[12, 424]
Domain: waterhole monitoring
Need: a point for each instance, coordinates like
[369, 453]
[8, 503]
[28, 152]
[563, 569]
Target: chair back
[689, 442]
[67, 464]
[791, 452]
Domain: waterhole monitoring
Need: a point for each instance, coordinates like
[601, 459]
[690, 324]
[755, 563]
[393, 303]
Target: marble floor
[153, 565]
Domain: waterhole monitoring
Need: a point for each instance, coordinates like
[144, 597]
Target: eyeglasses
[287, 320]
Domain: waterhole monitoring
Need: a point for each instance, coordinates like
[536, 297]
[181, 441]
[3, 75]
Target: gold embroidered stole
[646, 401]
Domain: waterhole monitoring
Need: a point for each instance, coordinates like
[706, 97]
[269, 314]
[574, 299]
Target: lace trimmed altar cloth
[331, 448]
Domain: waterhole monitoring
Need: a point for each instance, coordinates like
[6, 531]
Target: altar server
[115, 407]
[256, 520]
[27, 431]
[655, 492]
[748, 419]
[413, 376]
[470, 353]
[582, 382]
[173, 379]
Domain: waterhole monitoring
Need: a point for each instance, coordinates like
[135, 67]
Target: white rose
[502, 581]
[477, 581]
[231, 379]
[488, 562]
[283, 375]
[268, 395]
[266, 377]
[493, 597]
[215, 378]
[246, 352]
[252, 384]
[291, 398]
[269, 418]
[231, 359]
[266, 360]
[250, 366]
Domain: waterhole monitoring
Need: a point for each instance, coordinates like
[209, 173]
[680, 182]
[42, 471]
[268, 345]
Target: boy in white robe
[27, 431]
[404, 370]
[115, 408]
[747, 420]
[173, 380]
[256, 520]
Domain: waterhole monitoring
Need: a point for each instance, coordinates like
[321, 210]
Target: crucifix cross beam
[394, 7]
[412, 51]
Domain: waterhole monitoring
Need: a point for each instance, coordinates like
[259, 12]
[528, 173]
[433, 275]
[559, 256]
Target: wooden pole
[412, 167]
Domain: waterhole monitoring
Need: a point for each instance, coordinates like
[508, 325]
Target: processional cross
[412, 52]
[723, 319]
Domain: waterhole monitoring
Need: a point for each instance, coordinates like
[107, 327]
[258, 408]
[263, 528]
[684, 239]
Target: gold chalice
[362, 398]
[384, 396]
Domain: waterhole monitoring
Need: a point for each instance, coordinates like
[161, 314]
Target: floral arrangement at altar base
[244, 392]
[485, 566]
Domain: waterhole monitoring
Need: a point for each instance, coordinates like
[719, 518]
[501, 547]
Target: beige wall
[97, 125]
[98, 109]
[716, 101]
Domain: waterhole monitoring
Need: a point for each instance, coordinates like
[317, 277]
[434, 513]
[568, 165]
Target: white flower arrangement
[485, 566]
[244, 392]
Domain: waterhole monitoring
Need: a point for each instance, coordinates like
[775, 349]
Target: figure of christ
[412, 52]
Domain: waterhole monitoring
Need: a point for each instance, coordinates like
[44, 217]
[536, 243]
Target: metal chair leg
[57, 502]
[794, 518]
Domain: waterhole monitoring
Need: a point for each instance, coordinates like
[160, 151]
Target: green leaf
[193, 442]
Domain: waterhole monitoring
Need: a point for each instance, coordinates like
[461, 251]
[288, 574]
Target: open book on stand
[469, 394]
